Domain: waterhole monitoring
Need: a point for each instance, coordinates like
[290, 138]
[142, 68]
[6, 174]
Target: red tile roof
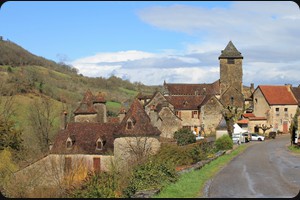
[278, 95]
[141, 123]
[247, 115]
[84, 136]
[243, 121]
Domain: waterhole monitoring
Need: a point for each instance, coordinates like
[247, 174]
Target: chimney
[251, 87]
[289, 87]
[65, 120]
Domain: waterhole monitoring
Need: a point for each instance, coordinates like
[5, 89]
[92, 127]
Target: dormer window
[130, 124]
[99, 144]
[69, 143]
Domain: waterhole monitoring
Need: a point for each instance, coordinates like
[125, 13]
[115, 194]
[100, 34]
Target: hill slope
[27, 77]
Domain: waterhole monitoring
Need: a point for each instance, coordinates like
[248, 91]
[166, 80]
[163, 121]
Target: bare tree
[41, 116]
[7, 109]
[231, 114]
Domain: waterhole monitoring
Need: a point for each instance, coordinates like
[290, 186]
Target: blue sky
[150, 41]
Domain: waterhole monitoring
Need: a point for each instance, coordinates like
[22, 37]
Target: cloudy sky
[150, 42]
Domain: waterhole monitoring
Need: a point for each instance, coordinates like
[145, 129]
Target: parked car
[240, 138]
[255, 136]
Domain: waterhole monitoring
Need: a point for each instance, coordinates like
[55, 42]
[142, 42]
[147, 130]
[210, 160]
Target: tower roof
[230, 52]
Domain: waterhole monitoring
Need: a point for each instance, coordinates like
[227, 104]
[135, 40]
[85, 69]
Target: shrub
[224, 143]
[184, 137]
[153, 174]
[99, 185]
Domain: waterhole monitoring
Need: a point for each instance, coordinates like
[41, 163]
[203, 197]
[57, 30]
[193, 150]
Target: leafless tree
[41, 116]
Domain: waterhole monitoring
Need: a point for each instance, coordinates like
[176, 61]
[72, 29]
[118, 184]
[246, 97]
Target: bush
[224, 143]
[184, 137]
[99, 185]
[153, 174]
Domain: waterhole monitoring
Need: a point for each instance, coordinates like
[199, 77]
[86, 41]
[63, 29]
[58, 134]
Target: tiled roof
[84, 136]
[141, 123]
[257, 118]
[186, 102]
[193, 89]
[243, 121]
[247, 115]
[86, 105]
[230, 52]
[296, 92]
[278, 95]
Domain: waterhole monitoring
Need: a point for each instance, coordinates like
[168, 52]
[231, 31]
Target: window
[194, 114]
[277, 111]
[178, 114]
[231, 100]
[255, 100]
[99, 144]
[230, 61]
[129, 125]
[69, 143]
[286, 113]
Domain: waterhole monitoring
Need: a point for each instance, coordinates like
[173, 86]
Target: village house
[199, 106]
[274, 106]
[93, 143]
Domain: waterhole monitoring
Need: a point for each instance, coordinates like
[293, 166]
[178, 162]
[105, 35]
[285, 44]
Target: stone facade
[210, 115]
[130, 149]
[86, 118]
[277, 104]
[101, 112]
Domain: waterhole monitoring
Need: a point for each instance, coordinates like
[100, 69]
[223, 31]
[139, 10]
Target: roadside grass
[191, 184]
[294, 149]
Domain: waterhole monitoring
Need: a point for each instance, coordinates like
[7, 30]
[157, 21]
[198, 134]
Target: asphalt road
[265, 170]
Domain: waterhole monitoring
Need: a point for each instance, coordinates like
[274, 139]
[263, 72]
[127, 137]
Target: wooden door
[285, 127]
[96, 164]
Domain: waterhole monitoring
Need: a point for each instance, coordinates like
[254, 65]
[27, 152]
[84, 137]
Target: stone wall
[130, 149]
[169, 124]
[101, 112]
[211, 115]
[86, 118]
[231, 75]
[51, 170]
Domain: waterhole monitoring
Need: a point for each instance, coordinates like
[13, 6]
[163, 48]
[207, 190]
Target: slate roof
[296, 92]
[86, 105]
[84, 136]
[278, 95]
[193, 89]
[230, 52]
[141, 123]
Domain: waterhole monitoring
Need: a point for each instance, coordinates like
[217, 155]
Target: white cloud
[266, 33]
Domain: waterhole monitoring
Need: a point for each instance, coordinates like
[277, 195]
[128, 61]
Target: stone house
[162, 115]
[90, 143]
[276, 104]
[200, 105]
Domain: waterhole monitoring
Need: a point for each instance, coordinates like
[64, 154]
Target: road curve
[265, 170]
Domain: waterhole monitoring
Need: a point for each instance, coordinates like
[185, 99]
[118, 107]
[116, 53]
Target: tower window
[230, 61]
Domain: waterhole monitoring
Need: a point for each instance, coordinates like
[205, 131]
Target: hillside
[27, 77]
